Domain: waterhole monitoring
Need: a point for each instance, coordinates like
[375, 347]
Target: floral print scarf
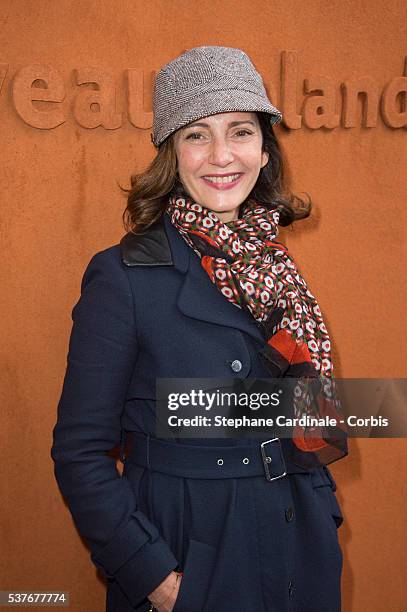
[255, 272]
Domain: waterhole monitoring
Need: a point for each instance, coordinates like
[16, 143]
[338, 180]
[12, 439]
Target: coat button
[236, 365]
[220, 461]
[289, 514]
[246, 460]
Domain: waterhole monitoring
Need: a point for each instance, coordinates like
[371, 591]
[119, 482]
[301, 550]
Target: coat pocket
[324, 487]
[199, 563]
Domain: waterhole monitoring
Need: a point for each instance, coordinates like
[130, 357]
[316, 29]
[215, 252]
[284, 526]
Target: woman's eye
[193, 136]
[244, 132]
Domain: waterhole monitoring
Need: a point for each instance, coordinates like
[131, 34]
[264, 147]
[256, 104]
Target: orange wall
[60, 203]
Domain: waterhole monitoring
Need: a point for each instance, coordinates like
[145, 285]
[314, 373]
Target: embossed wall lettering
[39, 83]
[96, 107]
[39, 96]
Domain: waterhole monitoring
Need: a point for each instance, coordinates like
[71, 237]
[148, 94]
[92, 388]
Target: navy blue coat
[148, 309]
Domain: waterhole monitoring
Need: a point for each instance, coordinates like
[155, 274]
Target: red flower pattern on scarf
[258, 273]
[255, 272]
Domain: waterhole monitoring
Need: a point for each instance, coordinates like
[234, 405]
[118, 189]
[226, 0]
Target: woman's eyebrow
[231, 124]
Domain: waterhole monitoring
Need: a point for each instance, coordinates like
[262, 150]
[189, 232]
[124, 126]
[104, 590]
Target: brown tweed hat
[204, 81]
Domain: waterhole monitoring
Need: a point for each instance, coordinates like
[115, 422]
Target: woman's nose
[220, 152]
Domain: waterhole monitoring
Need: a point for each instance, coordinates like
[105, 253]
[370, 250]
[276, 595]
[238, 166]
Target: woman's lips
[222, 186]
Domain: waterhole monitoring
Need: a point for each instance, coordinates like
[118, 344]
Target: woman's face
[219, 159]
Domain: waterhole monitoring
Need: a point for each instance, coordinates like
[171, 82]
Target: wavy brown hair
[148, 196]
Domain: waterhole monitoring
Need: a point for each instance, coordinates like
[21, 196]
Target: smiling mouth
[223, 180]
[222, 183]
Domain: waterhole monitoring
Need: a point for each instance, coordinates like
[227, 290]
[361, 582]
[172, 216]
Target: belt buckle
[267, 460]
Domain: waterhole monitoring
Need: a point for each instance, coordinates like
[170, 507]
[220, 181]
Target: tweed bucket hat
[204, 81]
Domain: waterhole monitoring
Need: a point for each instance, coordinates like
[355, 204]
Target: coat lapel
[199, 298]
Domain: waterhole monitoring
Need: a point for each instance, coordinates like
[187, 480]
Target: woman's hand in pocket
[165, 595]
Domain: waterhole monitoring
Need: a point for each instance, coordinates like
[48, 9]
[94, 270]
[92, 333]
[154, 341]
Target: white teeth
[222, 179]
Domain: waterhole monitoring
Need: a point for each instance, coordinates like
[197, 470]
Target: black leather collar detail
[149, 249]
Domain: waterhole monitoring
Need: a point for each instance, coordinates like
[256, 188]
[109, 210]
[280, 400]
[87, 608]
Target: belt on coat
[200, 461]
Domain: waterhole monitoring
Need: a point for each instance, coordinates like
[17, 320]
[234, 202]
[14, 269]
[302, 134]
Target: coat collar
[199, 298]
[160, 245]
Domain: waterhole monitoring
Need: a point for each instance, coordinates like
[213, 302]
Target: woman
[198, 288]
